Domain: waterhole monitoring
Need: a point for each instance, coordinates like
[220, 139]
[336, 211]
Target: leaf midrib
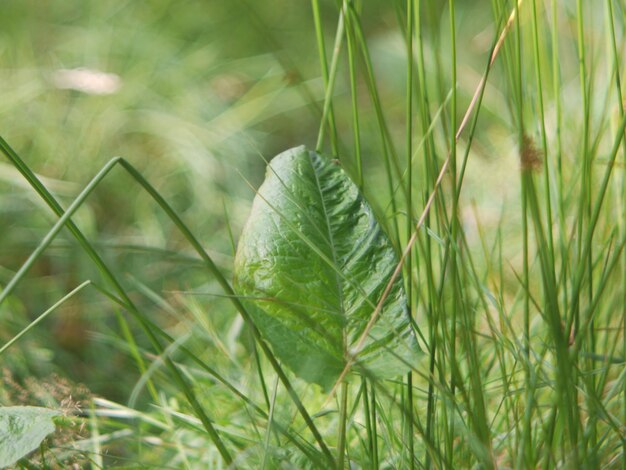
[333, 251]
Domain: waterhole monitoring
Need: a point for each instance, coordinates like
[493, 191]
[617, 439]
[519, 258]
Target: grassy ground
[508, 189]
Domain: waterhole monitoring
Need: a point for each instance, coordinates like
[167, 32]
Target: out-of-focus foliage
[198, 95]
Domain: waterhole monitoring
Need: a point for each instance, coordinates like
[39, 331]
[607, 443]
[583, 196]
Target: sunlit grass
[495, 160]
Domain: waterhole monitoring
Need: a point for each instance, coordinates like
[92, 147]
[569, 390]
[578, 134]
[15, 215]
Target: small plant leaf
[312, 263]
[22, 429]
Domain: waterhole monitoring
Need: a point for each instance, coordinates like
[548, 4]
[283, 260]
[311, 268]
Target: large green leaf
[312, 263]
[22, 428]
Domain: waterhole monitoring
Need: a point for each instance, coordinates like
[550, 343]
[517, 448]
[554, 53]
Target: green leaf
[312, 263]
[22, 428]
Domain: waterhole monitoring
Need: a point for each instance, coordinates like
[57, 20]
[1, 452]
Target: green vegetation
[492, 172]
[312, 264]
[22, 428]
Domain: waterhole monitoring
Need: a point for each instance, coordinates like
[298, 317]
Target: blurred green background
[197, 95]
[194, 94]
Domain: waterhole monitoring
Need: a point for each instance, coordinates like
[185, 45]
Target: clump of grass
[502, 188]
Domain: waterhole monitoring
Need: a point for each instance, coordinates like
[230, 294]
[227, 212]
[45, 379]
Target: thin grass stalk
[374, 421]
[542, 123]
[43, 316]
[259, 369]
[368, 424]
[341, 444]
[457, 309]
[321, 48]
[352, 62]
[585, 215]
[328, 96]
[270, 420]
[525, 446]
[563, 235]
[409, 217]
[440, 220]
[620, 106]
[584, 199]
[432, 306]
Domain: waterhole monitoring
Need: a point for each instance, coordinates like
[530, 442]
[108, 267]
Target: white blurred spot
[93, 82]
[228, 87]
